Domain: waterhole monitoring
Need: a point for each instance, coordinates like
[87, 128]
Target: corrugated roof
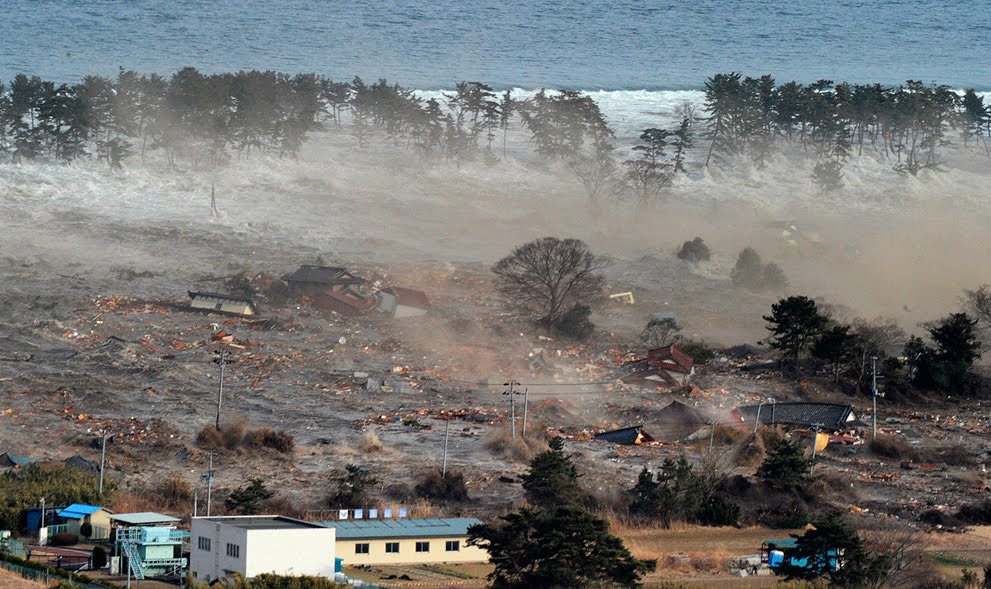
[78, 511]
[626, 435]
[143, 518]
[219, 296]
[402, 528]
[832, 416]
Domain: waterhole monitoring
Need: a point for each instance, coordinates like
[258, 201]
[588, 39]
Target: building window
[233, 550]
[392, 547]
[361, 548]
[203, 543]
[423, 546]
[452, 546]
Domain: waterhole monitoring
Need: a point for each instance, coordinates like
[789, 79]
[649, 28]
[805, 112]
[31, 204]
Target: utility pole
[42, 512]
[874, 397]
[526, 399]
[773, 403]
[103, 456]
[196, 499]
[220, 394]
[208, 477]
[712, 435]
[817, 427]
[757, 420]
[447, 436]
[512, 403]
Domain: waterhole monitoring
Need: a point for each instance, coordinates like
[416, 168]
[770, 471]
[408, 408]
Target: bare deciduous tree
[878, 337]
[977, 302]
[547, 277]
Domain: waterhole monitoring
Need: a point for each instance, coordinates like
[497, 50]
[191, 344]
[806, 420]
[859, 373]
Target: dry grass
[653, 541]
[502, 443]
[9, 580]
[237, 436]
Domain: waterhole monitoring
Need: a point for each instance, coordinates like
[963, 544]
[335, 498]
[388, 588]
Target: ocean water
[586, 45]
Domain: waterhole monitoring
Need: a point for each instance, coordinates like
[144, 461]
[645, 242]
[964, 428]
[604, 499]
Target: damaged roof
[409, 297]
[322, 275]
[629, 436]
[219, 297]
[659, 365]
[832, 416]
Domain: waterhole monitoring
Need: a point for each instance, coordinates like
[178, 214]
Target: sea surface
[607, 45]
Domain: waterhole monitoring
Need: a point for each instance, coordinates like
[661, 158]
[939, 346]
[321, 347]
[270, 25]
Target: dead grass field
[9, 580]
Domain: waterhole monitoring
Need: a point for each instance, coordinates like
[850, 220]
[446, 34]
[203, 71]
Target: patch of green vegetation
[950, 559]
[440, 570]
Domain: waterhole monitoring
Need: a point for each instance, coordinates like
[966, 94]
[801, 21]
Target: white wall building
[251, 545]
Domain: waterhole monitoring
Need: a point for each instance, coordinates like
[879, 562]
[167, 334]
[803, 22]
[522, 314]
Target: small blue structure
[775, 553]
[32, 516]
[8, 460]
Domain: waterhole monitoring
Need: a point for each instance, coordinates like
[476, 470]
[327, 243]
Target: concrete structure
[221, 303]
[77, 514]
[252, 545]
[406, 541]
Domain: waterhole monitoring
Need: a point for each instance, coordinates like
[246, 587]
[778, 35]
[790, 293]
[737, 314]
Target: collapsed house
[666, 366]
[399, 302]
[627, 436]
[313, 281]
[829, 417]
[222, 303]
[677, 421]
[345, 302]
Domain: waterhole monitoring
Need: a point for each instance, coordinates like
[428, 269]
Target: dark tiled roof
[832, 416]
[322, 275]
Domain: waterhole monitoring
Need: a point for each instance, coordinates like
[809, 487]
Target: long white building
[251, 545]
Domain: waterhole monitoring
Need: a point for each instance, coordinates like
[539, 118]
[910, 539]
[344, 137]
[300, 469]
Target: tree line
[908, 124]
[207, 118]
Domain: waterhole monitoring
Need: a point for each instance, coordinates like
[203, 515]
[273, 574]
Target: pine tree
[248, 500]
[794, 324]
[553, 478]
[785, 466]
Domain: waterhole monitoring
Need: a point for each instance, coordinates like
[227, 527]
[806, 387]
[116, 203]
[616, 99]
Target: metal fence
[46, 577]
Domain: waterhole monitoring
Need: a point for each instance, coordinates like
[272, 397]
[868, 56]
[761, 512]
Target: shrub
[749, 269]
[575, 323]
[63, 539]
[99, 557]
[892, 447]
[437, 487]
[174, 491]
[268, 438]
[774, 278]
[501, 443]
[975, 513]
[698, 350]
[751, 272]
[86, 530]
[694, 251]
[370, 443]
